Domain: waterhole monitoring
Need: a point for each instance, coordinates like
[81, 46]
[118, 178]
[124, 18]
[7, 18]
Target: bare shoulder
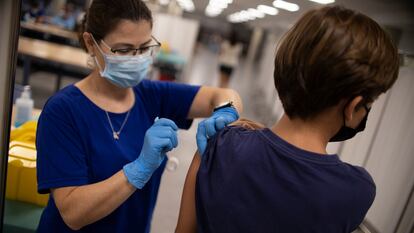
[248, 124]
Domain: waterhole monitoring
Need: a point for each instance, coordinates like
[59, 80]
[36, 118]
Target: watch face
[224, 105]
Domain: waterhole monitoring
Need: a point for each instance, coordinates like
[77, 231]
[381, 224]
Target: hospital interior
[216, 43]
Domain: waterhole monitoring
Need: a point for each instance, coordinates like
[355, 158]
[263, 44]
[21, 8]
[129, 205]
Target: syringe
[173, 162]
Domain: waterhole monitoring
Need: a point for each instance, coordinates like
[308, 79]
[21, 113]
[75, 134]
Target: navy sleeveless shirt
[254, 181]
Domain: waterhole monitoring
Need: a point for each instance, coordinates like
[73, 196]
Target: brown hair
[331, 54]
[104, 15]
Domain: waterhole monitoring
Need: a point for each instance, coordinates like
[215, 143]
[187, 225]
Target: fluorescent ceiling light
[323, 1]
[267, 10]
[212, 11]
[247, 15]
[242, 17]
[211, 14]
[255, 13]
[164, 2]
[184, 2]
[187, 5]
[234, 19]
[221, 5]
[215, 7]
[189, 8]
[286, 5]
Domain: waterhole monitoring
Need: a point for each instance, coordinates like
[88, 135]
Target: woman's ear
[87, 38]
[350, 108]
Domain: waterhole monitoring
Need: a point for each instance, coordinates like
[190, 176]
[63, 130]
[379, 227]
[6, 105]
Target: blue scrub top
[75, 146]
[252, 181]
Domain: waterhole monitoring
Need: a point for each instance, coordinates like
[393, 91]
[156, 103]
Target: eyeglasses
[152, 49]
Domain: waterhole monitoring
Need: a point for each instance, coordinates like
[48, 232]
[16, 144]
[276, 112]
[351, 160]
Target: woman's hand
[159, 139]
[82, 205]
[210, 126]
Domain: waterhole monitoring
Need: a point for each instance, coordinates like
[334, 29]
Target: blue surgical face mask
[124, 71]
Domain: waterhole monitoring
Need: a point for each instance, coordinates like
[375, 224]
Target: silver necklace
[116, 134]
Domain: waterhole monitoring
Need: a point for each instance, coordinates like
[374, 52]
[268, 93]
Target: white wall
[265, 81]
[406, 42]
[386, 150]
[391, 161]
[179, 33]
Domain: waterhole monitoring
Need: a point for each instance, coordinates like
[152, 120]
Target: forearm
[83, 205]
[87, 204]
[208, 98]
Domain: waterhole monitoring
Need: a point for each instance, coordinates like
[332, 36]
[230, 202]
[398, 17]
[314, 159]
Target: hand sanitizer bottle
[24, 107]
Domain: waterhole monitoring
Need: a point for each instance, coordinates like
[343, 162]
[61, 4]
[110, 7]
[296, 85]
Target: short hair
[331, 54]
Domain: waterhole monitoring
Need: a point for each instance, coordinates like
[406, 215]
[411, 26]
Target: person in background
[35, 12]
[102, 142]
[329, 69]
[66, 19]
[79, 19]
[228, 59]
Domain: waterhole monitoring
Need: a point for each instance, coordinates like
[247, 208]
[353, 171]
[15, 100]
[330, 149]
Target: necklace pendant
[116, 136]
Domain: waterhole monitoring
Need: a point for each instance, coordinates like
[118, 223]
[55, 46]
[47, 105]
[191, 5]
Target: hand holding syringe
[160, 138]
[173, 161]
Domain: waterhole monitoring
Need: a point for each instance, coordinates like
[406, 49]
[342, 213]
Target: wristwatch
[224, 105]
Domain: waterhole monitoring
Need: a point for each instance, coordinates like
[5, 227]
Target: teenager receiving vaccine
[329, 69]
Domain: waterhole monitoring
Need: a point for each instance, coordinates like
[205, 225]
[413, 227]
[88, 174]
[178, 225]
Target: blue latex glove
[210, 126]
[159, 139]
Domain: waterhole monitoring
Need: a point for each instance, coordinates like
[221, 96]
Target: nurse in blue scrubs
[101, 153]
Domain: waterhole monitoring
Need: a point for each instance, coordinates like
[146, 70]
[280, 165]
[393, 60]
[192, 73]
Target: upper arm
[187, 220]
[61, 159]
[202, 105]
[169, 100]
[181, 102]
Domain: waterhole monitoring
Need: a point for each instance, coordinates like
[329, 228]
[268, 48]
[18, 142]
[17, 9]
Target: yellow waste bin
[21, 174]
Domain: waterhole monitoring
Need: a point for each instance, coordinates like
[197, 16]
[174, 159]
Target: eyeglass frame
[157, 45]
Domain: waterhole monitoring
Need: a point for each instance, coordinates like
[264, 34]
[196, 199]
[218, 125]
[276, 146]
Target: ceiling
[394, 13]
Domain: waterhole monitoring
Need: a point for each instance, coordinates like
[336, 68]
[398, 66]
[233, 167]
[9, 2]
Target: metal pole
[9, 24]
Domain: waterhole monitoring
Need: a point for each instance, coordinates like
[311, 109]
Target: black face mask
[346, 132]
